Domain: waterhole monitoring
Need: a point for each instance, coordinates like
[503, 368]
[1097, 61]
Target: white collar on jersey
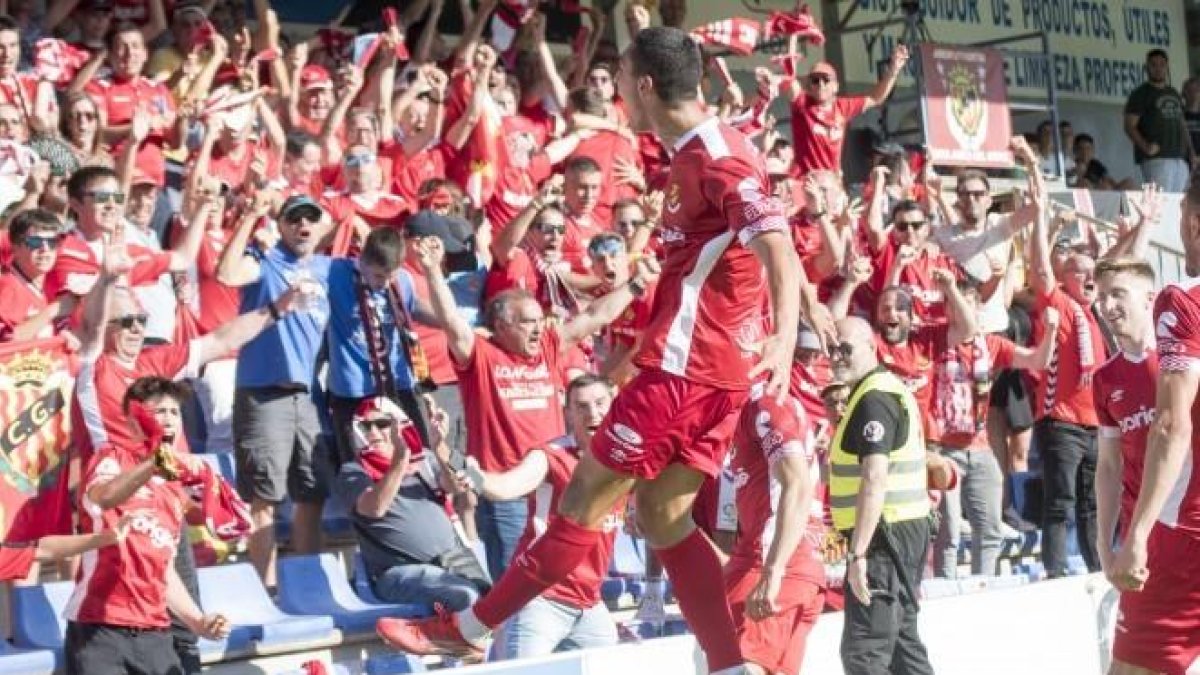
[695, 131]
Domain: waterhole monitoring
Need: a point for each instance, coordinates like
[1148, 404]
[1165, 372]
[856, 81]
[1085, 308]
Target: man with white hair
[397, 491]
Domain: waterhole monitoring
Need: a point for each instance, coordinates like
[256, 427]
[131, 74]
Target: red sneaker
[437, 635]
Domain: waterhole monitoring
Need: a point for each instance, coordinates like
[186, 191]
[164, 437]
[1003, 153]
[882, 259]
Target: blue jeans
[978, 494]
[500, 525]
[1172, 175]
[425, 585]
[545, 626]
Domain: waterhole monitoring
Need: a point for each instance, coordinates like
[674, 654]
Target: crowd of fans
[409, 274]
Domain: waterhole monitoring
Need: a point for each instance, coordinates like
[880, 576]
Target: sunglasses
[819, 79]
[84, 116]
[904, 225]
[842, 349]
[631, 223]
[973, 194]
[605, 247]
[359, 159]
[545, 228]
[382, 424]
[37, 242]
[307, 216]
[129, 320]
[106, 196]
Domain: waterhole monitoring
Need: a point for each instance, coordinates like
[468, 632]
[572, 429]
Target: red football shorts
[777, 644]
[1159, 627]
[660, 419]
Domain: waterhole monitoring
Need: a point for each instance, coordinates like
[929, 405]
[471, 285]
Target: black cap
[291, 207]
[454, 232]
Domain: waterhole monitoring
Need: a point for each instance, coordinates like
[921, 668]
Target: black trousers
[185, 641]
[1068, 453]
[882, 637]
[95, 649]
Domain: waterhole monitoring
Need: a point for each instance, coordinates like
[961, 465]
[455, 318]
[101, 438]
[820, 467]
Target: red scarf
[377, 463]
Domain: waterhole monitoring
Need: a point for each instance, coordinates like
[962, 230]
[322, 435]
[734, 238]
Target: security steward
[879, 502]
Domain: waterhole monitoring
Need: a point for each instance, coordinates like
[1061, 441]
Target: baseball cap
[314, 76]
[189, 7]
[297, 206]
[141, 178]
[824, 68]
[429, 224]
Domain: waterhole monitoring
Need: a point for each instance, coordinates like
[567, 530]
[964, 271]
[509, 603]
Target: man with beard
[1155, 124]
[275, 422]
[1065, 431]
[570, 614]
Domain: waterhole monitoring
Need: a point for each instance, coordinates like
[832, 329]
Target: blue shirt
[285, 354]
[350, 373]
[467, 289]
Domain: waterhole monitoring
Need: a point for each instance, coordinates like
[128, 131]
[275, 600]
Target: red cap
[313, 76]
[149, 167]
[824, 68]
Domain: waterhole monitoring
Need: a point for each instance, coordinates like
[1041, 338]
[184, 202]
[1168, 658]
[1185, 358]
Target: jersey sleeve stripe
[1178, 363]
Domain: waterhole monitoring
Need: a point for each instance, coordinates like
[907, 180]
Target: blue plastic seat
[317, 584]
[387, 664]
[238, 593]
[37, 615]
[15, 661]
[611, 589]
[335, 519]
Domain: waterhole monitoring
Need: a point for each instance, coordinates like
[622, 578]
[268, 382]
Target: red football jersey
[97, 419]
[515, 189]
[511, 403]
[78, 266]
[605, 148]
[21, 90]
[126, 584]
[20, 301]
[1177, 327]
[767, 432]
[219, 304]
[1124, 391]
[581, 588]
[929, 303]
[1071, 402]
[913, 360]
[818, 135]
[711, 302]
[807, 383]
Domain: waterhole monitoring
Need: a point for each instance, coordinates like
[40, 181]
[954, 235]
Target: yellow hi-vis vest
[906, 498]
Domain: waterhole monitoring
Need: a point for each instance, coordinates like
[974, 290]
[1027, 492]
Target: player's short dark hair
[1157, 52]
[585, 380]
[906, 205]
[81, 180]
[975, 174]
[29, 220]
[587, 100]
[581, 164]
[152, 387]
[297, 141]
[671, 59]
[503, 303]
[9, 23]
[384, 247]
[1127, 265]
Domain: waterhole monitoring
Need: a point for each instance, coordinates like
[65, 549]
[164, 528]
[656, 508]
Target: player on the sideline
[726, 243]
[1158, 628]
[775, 576]
[1123, 389]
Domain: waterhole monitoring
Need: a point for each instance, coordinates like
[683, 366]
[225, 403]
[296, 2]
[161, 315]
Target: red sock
[551, 558]
[695, 575]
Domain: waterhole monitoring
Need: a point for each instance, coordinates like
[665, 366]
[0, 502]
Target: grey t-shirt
[974, 250]
[415, 527]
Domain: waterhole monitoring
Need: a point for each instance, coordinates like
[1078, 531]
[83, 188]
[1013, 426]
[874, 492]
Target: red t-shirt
[19, 301]
[605, 148]
[97, 419]
[580, 230]
[78, 266]
[962, 375]
[912, 361]
[433, 340]
[232, 168]
[219, 304]
[1177, 328]
[806, 387]
[1063, 382]
[711, 302]
[929, 303]
[126, 584]
[538, 121]
[1124, 391]
[515, 189]
[511, 403]
[581, 588]
[16, 560]
[627, 328]
[21, 90]
[385, 210]
[409, 173]
[766, 433]
[120, 99]
[656, 162]
[817, 135]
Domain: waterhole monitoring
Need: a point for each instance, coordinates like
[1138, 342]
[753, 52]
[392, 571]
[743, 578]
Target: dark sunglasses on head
[129, 320]
[36, 242]
[904, 225]
[382, 424]
[106, 196]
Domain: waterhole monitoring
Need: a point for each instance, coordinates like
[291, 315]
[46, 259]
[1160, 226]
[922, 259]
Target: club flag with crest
[35, 397]
[965, 100]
